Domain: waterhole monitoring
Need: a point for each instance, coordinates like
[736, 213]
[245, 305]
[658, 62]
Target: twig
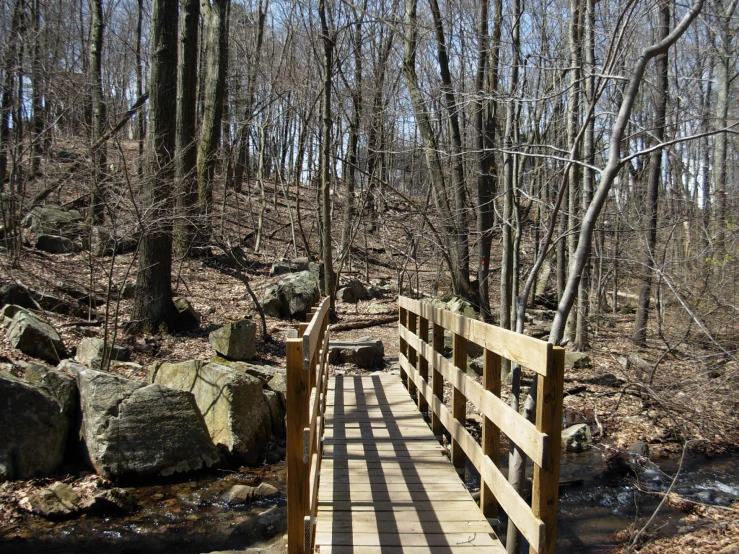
[635, 540]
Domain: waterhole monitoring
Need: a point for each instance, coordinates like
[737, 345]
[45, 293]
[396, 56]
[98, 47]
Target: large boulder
[53, 220]
[346, 295]
[365, 352]
[262, 372]
[318, 270]
[90, 352]
[292, 296]
[55, 244]
[189, 316]
[235, 340]
[232, 404]
[56, 385]
[292, 266]
[133, 429]
[33, 430]
[35, 337]
[13, 293]
[360, 291]
[276, 405]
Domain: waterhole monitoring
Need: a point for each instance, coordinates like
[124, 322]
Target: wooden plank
[394, 496]
[456, 549]
[437, 381]
[545, 491]
[521, 431]
[311, 335]
[527, 351]
[490, 433]
[382, 478]
[412, 357]
[297, 414]
[459, 400]
[423, 364]
[390, 515]
[402, 345]
[402, 526]
[327, 487]
[404, 539]
[414, 506]
[518, 511]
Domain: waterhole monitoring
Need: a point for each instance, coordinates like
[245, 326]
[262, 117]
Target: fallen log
[364, 323]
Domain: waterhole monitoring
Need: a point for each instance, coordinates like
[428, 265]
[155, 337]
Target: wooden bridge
[368, 474]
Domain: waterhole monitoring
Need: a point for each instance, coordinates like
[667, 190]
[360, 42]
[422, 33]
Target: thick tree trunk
[215, 13]
[140, 117]
[8, 97]
[187, 154]
[153, 307]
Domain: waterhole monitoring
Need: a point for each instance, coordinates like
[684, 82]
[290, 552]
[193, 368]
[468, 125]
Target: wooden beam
[490, 432]
[459, 400]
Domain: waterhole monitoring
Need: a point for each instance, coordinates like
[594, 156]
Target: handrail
[540, 441]
[307, 382]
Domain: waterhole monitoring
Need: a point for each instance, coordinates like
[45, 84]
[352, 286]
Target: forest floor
[679, 389]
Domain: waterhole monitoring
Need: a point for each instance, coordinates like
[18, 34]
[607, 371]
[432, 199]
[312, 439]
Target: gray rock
[8, 313]
[235, 340]
[53, 220]
[190, 316]
[319, 274]
[134, 429]
[346, 295]
[640, 448]
[242, 494]
[289, 334]
[276, 406]
[293, 266]
[271, 303]
[55, 502]
[12, 293]
[577, 438]
[262, 372]
[292, 296]
[377, 308]
[232, 403]
[365, 352]
[90, 352]
[56, 245]
[110, 501]
[33, 430]
[360, 292]
[105, 243]
[128, 290]
[577, 360]
[278, 383]
[35, 337]
[475, 366]
[56, 385]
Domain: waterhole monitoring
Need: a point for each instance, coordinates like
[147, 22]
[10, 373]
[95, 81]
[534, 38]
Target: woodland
[570, 158]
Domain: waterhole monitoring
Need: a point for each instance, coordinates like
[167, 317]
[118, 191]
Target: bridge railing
[307, 380]
[424, 368]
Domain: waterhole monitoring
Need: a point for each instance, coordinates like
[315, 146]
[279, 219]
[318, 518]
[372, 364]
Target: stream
[190, 517]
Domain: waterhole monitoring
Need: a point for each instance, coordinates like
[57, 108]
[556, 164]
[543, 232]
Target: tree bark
[639, 337]
[187, 154]
[96, 213]
[215, 13]
[153, 307]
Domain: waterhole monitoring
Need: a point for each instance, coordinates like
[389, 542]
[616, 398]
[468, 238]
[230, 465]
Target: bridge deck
[386, 485]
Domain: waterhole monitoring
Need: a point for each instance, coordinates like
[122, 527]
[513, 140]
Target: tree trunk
[8, 97]
[639, 336]
[153, 307]
[140, 117]
[216, 63]
[187, 154]
[326, 169]
[96, 213]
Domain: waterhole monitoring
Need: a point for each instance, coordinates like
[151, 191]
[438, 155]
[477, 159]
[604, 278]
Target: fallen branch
[365, 323]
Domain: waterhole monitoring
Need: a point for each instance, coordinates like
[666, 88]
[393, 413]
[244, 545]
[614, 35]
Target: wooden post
[412, 354]
[459, 402]
[423, 364]
[490, 433]
[437, 381]
[403, 313]
[298, 395]
[545, 492]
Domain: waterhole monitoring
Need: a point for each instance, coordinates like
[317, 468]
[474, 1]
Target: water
[190, 517]
[591, 514]
[187, 517]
